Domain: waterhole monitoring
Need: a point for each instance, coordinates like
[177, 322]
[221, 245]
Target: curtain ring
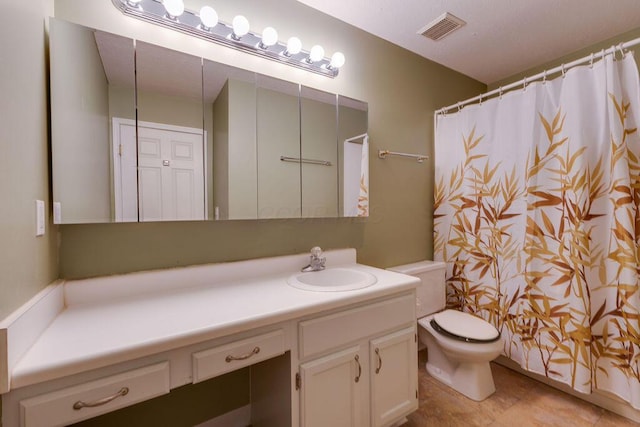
[480, 99]
[544, 77]
[591, 61]
[459, 107]
[500, 92]
[564, 73]
[620, 46]
[524, 84]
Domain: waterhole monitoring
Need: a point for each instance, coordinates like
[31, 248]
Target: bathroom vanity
[341, 357]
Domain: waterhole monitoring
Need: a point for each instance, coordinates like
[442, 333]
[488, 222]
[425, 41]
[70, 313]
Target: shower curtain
[536, 215]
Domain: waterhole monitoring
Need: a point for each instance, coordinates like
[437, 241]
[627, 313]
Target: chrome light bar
[189, 22]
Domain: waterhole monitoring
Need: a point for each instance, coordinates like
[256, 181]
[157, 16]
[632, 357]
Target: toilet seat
[464, 327]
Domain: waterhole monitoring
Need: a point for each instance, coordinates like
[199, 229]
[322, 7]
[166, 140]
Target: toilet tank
[431, 294]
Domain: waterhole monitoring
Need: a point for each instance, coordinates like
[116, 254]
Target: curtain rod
[543, 75]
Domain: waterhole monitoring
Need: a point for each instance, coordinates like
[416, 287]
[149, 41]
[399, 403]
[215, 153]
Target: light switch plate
[40, 218]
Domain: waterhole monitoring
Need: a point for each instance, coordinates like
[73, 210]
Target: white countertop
[90, 333]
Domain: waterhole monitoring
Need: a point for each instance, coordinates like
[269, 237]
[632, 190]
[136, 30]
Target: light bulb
[337, 60]
[240, 27]
[174, 8]
[294, 46]
[208, 17]
[316, 53]
[133, 3]
[269, 37]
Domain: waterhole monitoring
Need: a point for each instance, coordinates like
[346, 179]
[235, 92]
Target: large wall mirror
[144, 133]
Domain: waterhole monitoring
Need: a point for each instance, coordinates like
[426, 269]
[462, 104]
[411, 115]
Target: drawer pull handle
[379, 361]
[80, 404]
[230, 358]
[357, 359]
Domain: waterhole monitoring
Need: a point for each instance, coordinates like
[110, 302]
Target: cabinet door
[331, 390]
[394, 376]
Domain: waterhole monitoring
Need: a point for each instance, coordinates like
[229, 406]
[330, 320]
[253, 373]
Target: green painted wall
[27, 263]
[402, 90]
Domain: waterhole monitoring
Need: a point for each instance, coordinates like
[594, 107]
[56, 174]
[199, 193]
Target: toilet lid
[464, 326]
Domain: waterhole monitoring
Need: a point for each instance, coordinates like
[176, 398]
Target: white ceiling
[501, 37]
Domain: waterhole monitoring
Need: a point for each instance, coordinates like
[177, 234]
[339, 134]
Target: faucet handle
[316, 251]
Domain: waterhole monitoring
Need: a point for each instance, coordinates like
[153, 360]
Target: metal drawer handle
[230, 358]
[379, 361]
[357, 358]
[80, 404]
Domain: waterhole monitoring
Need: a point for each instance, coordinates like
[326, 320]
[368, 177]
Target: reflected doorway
[162, 177]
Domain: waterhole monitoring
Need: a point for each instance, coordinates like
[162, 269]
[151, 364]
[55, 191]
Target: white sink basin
[332, 280]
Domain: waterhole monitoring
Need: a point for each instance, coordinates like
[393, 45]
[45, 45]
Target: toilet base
[474, 380]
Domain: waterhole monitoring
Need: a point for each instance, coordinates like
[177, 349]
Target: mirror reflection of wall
[319, 149]
[278, 130]
[207, 140]
[354, 155]
[85, 88]
[230, 117]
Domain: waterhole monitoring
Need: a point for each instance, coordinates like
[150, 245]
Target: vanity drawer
[238, 354]
[94, 398]
[338, 329]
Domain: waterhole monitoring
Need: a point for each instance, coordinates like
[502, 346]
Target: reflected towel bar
[419, 157]
[300, 160]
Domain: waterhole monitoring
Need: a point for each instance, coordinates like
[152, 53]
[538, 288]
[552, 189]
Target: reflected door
[170, 180]
[170, 175]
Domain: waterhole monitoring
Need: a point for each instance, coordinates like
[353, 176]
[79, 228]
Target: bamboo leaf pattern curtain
[536, 215]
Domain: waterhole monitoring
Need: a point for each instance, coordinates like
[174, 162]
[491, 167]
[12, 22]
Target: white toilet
[459, 345]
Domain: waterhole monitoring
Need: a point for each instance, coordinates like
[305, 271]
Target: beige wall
[402, 90]
[27, 263]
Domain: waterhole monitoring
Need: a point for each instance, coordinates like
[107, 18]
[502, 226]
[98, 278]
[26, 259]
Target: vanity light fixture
[294, 47]
[174, 8]
[337, 60]
[206, 25]
[269, 38]
[240, 26]
[208, 18]
[316, 54]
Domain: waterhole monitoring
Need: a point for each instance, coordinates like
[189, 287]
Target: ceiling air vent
[442, 26]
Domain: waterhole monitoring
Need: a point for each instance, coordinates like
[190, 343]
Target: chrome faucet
[317, 261]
